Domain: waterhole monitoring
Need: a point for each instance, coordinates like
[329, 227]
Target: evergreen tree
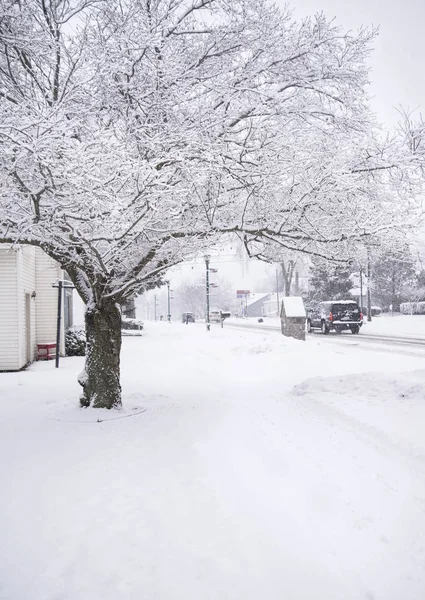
[330, 281]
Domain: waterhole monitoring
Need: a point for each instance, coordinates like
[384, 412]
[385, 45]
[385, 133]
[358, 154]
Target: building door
[28, 328]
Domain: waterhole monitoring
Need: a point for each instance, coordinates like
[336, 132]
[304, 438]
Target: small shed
[293, 317]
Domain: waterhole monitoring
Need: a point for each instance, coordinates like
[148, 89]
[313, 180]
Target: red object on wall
[46, 351]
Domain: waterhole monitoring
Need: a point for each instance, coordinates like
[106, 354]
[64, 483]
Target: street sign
[213, 270]
[242, 293]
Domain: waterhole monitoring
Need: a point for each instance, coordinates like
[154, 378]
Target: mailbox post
[61, 284]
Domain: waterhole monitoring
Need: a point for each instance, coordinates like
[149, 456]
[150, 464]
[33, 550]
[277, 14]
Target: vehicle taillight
[330, 317]
[361, 316]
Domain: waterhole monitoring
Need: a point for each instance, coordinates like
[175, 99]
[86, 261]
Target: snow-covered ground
[243, 466]
[384, 324]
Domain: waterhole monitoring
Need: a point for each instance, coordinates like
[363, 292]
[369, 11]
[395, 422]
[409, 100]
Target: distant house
[271, 307]
[28, 304]
[254, 304]
[359, 289]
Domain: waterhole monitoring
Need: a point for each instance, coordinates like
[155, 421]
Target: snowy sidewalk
[241, 481]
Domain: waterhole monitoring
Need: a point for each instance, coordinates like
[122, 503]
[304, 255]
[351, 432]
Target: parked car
[335, 315]
[215, 316]
[188, 317]
[375, 310]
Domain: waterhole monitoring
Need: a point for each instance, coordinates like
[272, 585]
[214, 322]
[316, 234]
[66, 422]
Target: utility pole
[361, 290]
[169, 303]
[369, 307]
[207, 284]
[58, 327]
[155, 305]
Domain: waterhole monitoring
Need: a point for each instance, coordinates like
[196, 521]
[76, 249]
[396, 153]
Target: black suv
[335, 315]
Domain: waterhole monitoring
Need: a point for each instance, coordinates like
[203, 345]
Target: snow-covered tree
[416, 291]
[190, 296]
[330, 281]
[134, 133]
[394, 277]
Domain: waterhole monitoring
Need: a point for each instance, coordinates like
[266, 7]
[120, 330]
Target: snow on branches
[134, 132]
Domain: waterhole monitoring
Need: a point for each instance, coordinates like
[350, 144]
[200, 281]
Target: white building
[359, 289]
[271, 307]
[29, 305]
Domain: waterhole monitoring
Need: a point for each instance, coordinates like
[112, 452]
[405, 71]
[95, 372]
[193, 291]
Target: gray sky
[398, 61]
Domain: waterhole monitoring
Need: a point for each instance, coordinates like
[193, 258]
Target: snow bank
[385, 324]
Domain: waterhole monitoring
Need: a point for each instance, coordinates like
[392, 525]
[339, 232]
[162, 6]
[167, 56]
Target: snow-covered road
[261, 468]
[383, 339]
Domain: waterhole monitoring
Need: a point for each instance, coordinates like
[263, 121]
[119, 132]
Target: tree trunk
[287, 273]
[277, 294]
[297, 283]
[392, 293]
[101, 377]
[369, 283]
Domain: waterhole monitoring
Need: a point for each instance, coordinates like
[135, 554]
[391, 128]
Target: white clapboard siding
[9, 341]
[26, 286]
[26, 278]
[47, 272]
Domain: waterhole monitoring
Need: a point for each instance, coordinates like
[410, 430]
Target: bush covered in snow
[412, 308]
[75, 341]
[127, 323]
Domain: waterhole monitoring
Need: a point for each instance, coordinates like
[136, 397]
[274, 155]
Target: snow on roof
[256, 297]
[274, 298]
[294, 306]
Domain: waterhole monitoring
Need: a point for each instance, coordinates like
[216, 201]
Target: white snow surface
[294, 306]
[402, 325]
[244, 465]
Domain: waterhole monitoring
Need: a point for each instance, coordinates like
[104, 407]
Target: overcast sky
[398, 61]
